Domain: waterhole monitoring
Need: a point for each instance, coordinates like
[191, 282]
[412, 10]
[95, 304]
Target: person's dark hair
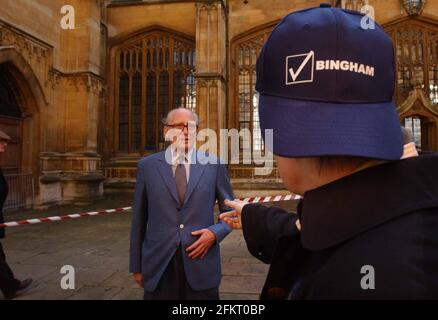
[341, 163]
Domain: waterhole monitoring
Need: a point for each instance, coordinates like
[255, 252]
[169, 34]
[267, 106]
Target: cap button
[325, 5]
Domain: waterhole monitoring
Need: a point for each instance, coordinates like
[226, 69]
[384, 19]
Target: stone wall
[63, 71]
[65, 77]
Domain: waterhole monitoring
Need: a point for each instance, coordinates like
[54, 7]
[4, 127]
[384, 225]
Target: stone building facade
[84, 104]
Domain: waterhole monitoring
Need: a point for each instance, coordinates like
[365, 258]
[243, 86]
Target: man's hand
[139, 279]
[201, 246]
[233, 218]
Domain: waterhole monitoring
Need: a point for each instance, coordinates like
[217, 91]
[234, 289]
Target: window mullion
[143, 97]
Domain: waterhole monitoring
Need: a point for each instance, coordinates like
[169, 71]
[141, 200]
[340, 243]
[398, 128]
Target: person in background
[10, 286]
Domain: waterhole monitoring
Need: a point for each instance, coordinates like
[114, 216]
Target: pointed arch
[245, 49]
[23, 74]
[31, 98]
[152, 71]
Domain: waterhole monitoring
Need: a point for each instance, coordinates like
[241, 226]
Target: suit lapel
[166, 173]
[165, 169]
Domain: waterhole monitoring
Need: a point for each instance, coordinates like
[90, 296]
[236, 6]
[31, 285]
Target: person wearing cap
[9, 286]
[366, 227]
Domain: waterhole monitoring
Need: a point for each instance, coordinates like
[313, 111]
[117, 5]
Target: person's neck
[319, 180]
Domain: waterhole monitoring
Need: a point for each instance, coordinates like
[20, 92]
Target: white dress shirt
[187, 161]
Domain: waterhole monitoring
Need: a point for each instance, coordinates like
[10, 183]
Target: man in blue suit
[174, 251]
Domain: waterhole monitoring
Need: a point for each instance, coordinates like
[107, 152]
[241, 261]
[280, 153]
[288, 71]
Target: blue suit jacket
[160, 224]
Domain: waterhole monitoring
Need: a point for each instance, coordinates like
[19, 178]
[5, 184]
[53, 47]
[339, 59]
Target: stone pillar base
[70, 178]
[120, 174]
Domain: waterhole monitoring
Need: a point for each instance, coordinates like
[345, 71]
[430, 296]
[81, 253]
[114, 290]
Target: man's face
[178, 129]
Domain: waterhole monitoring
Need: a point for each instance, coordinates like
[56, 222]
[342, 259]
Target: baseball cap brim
[310, 128]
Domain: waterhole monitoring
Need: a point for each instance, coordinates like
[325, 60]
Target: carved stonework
[208, 5]
[415, 43]
[35, 52]
[121, 173]
[53, 79]
[84, 81]
[354, 5]
[202, 83]
[29, 47]
[418, 101]
[60, 162]
[210, 81]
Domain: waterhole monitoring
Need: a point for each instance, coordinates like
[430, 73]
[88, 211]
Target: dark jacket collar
[349, 206]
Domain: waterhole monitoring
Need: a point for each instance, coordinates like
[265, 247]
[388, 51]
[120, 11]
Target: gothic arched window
[155, 73]
[246, 50]
[416, 49]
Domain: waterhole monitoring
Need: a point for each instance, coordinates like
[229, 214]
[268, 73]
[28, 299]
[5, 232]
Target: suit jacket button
[181, 226]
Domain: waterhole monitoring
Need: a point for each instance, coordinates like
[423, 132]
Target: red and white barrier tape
[271, 198]
[120, 210]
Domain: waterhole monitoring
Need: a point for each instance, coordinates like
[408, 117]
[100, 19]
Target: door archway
[420, 116]
[21, 99]
[10, 122]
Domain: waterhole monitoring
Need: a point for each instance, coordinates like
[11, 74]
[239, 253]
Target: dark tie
[181, 181]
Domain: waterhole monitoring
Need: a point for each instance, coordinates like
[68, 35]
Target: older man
[174, 250]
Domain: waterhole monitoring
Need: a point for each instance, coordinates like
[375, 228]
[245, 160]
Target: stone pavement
[97, 247]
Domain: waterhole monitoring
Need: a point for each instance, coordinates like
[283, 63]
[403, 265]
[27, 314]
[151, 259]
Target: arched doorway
[21, 97]
[423, 130]
[10, 121]
[419, 115]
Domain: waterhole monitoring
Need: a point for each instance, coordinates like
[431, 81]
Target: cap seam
[325, 100]
[335, 95]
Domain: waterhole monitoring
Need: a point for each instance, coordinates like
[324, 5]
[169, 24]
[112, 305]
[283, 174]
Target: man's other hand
[233, 218]
[139, 279]
[201, 246]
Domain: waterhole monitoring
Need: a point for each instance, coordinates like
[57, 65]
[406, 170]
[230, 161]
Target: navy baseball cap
[326, 87]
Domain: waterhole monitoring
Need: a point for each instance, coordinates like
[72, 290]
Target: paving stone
[83, 276]
[244, 259]
[98, 248]
[46, 291]
[244, 269]
[18, 256]
[121, 279]
[238, 296]
[242, 284]
[36, 272]
[95, 293]
[129, 294]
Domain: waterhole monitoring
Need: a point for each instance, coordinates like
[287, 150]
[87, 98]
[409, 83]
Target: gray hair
[166, 120]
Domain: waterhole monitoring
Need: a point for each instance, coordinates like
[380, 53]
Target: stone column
[211, 64]
[71, 164]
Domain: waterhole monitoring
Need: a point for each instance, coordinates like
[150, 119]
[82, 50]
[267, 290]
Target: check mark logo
[295, 75]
